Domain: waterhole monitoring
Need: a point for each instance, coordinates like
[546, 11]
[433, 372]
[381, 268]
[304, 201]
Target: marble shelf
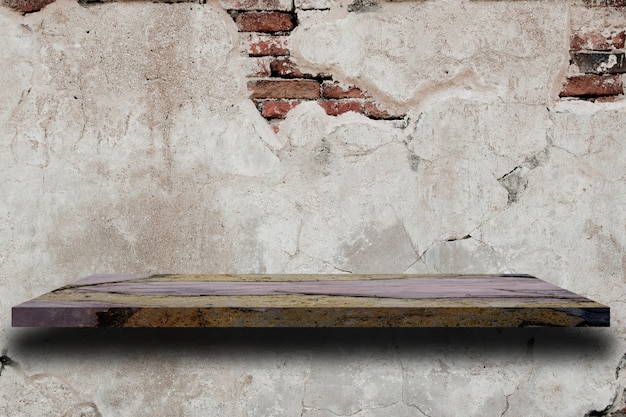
[310, 301]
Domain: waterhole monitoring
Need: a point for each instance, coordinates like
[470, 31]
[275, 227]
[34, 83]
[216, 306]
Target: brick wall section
[284, 89]
[265, 22]
[597, 63]
[276, 83]
[258, 45]
[605, 3]
[335, 90]
[590, 85]
[26, 6]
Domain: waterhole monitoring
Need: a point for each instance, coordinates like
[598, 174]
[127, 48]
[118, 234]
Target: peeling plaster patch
[515, 183]
[512, 132]
[544, 234]
[360, 6]
[414, 161]
[464, 256]
[322, 155]
[474, 52]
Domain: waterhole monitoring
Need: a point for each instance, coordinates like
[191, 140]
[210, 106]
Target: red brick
[619, 39]
[596, 41]
[589, 41]
[605, 3]
[592, 86]
[302, 89]
[375, 111]
[277, 109]
[287, 68]
[265, 45]
[266, 22]
[27, 6]
[336, 90]
[335, 108]
[284, 5]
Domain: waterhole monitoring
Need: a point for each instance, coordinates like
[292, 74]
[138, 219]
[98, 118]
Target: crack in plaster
[299, 251]
[8, 362]
[327, 263]
[403, 370]
[359, 410]
[502, 257]
[410, 266]
[413, 246]
[515, 181]
[531, 346]
[617, 406]
[428, 248]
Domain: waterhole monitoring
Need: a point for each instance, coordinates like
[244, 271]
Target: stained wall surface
[130, 143]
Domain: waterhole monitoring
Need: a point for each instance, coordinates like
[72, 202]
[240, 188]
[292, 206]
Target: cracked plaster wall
[129, 144]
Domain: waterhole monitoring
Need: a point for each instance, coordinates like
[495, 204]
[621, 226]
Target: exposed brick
[335, 108]
[287, 68]
[597, 62]
[27, 6]
[302, 89]
[376, 111]
[277, 109]
[597, 42]
[589, 41]
[255, 44]
[592, 86]
[605, 3]
[336, 90]
[619, 39]
[282, 5]
[266, 22]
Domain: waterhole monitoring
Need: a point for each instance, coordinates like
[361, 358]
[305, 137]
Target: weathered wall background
[129, 143]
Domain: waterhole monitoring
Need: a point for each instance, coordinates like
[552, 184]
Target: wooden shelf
[310, 301]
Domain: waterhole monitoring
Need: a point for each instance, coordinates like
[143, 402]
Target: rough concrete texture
[129, 145]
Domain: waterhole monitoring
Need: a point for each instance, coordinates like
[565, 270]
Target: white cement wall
[128, 144]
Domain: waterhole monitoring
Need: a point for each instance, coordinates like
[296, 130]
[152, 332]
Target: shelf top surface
[342, 300]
